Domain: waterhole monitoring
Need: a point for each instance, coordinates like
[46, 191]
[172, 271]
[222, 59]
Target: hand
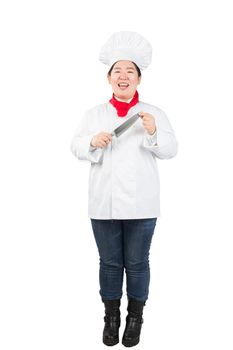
[148, 122]
[101, 140]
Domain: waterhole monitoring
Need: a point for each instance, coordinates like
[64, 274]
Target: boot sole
[130, 343]
[111, 342]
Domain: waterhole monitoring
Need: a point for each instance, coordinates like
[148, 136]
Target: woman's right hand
[101, 140]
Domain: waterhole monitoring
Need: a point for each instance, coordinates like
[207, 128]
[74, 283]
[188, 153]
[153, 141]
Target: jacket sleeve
[80, 145]
[162, 143]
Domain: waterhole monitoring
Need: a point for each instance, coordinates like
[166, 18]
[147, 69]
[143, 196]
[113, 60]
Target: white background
[50, 75]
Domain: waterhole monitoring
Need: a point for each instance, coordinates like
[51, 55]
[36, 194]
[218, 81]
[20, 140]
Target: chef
[124, 194]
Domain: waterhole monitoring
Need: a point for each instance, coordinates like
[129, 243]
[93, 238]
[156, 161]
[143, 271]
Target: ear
[139, 80]
[109, 78]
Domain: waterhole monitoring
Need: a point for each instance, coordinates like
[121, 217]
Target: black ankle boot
[112, 322]
[134, 322]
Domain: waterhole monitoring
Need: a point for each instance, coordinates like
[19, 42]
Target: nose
[123, 75]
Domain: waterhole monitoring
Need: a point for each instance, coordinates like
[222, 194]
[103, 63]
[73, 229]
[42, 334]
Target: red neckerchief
[123, 107]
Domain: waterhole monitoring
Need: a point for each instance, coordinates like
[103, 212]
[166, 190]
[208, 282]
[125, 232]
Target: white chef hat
[129, 46]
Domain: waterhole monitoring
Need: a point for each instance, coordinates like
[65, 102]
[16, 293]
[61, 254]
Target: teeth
[123, 84]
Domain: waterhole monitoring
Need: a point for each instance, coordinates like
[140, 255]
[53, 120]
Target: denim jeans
[124, 245]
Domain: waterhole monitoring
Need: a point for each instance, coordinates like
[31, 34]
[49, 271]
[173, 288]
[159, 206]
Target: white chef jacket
[123, 178]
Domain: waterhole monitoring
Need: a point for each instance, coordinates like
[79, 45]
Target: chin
[124, 95]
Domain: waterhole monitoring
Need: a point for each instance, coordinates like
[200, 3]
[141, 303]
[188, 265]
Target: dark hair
[138, 69]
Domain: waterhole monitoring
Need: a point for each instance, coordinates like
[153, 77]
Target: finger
[148, 122]
[106, 134]
[141, 114]
[102, 144]
[106, 139]
[146, 118]
[109, 137]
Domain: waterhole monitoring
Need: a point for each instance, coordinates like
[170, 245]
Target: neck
[123, 100]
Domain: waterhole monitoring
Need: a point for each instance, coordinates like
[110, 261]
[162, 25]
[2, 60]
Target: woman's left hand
[148, 122]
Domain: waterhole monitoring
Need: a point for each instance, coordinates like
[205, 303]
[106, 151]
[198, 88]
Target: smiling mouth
[123, 85]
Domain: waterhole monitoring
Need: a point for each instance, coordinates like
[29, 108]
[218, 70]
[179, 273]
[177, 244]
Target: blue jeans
[124, 245]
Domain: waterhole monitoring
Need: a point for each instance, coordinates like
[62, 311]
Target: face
[124, 79]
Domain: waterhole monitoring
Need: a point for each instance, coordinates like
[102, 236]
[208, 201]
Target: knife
[123, 127]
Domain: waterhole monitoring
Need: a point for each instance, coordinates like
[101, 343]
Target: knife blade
[125, 126]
